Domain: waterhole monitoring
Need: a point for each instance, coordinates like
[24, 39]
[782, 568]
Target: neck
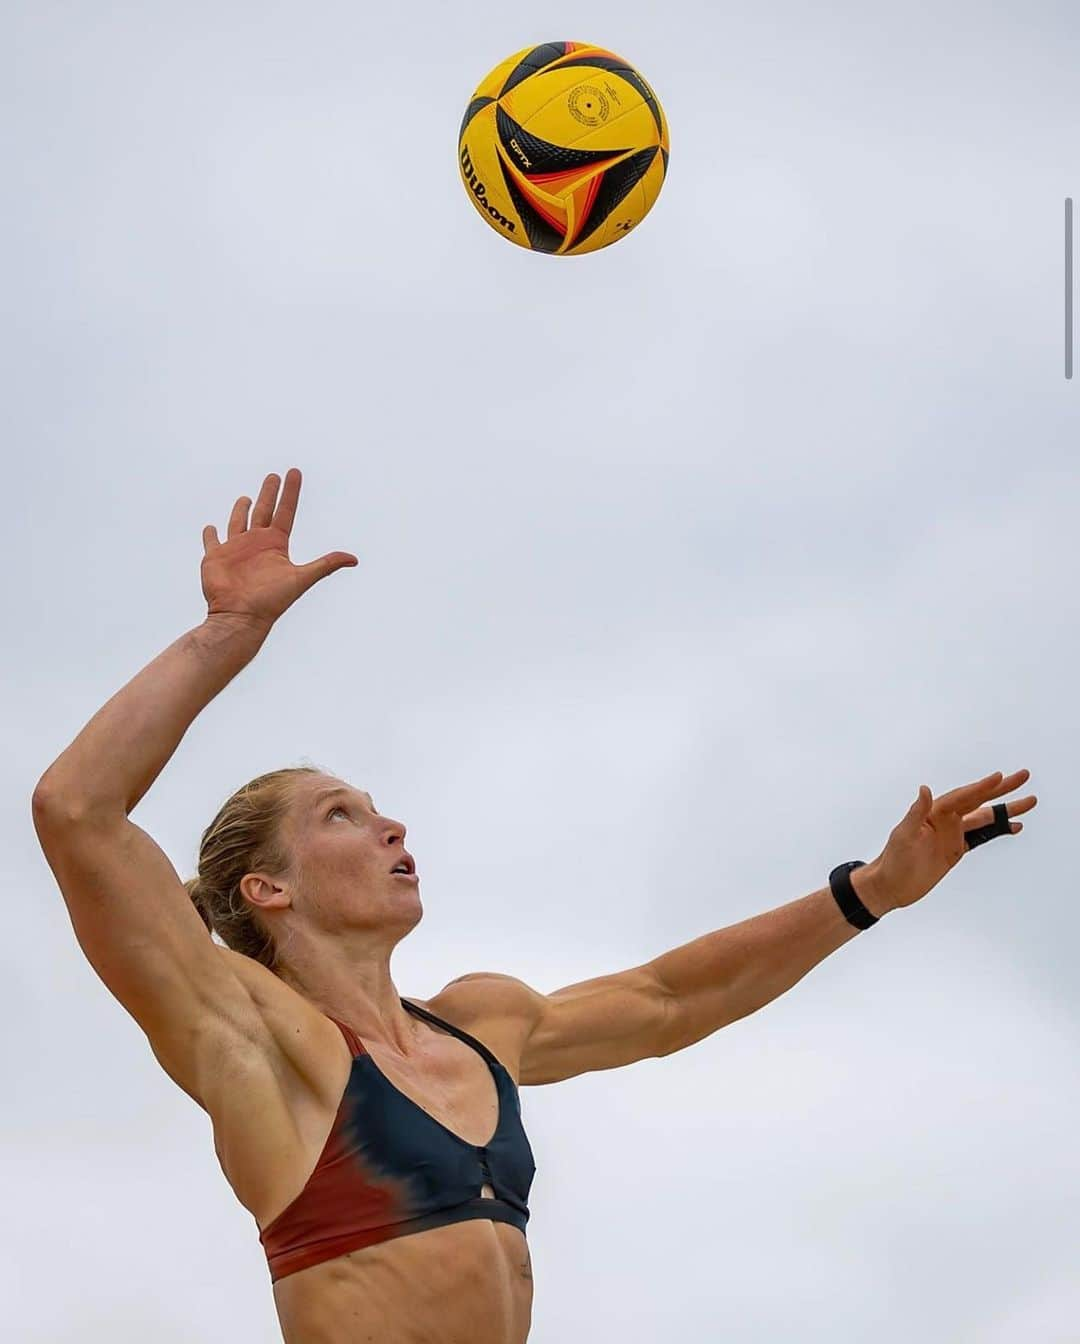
[359, 992]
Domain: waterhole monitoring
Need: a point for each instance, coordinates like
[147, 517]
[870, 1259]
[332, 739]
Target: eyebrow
[339, 792]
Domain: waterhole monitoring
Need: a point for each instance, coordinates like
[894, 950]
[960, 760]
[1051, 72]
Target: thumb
[327, 564]
[921, 806]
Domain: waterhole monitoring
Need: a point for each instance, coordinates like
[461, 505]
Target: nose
[395, 830]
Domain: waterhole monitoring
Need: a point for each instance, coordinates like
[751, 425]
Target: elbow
[45, 799]
[53, 806]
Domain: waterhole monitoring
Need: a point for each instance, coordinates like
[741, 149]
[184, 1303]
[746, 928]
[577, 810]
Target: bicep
[136, 925]
[603, 1023]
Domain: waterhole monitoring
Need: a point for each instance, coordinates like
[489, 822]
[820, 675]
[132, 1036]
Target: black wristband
[854, 911]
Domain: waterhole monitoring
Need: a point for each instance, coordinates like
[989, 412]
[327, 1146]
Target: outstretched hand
[929, 840]
[250, 575]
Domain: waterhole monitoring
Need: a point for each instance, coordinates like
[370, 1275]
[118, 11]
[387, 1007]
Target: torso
[466, 1283]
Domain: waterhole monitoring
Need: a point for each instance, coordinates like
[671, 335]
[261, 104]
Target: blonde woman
[376, 1140]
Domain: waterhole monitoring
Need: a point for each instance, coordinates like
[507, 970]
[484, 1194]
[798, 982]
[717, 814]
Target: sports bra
[388, 1168]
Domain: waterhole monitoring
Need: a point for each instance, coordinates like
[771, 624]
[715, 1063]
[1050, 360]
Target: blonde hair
[244, 837]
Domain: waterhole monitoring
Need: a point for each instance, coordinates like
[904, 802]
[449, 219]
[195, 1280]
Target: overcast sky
[682, 566]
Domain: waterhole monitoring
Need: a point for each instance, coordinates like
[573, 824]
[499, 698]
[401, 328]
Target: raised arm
[248, 582]
[130, 912]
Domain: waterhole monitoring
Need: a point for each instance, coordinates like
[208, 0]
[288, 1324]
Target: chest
[436, 1141]
[452, 1085]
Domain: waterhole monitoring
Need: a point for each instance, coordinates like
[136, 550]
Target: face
[344, 852]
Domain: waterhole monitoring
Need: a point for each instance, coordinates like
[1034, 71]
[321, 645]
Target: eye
[340, 807]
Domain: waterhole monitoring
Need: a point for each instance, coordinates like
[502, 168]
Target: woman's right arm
[128, 742]
[130, 911]
[248, 582]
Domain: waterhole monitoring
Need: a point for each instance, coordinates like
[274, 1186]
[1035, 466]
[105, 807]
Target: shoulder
[499, 1010]
[491, 992]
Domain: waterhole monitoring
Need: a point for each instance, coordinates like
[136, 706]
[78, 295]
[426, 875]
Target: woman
[377, 1141]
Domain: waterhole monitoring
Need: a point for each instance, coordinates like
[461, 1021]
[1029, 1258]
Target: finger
[922, 804]
[1015, 827]
[209, 539]
[994, 790]
[315, 570]
[264, 505]
[238, 517]
[967, 796]
[982, 790]
[985, 815]
[285, 514]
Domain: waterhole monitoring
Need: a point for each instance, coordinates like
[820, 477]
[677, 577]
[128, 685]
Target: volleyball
[563, 148]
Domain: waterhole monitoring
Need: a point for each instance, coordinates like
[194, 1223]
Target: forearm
[724, 976]
[125, 746]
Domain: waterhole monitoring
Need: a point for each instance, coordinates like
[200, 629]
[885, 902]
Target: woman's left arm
[726, 975]
[684, 995]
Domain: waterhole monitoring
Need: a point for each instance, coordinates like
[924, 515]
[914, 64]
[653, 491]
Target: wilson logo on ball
[479, 192]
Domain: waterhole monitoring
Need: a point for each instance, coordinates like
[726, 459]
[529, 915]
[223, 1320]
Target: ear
[265, 892]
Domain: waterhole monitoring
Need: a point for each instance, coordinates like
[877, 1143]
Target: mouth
[406, 868]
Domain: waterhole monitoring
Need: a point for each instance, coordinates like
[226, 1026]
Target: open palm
[250, 575]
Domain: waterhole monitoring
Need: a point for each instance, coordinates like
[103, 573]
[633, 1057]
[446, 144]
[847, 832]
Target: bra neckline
[494, 1066]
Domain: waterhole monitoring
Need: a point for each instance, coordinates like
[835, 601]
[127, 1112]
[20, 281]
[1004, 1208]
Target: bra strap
[454, 1031]
[353, 1041]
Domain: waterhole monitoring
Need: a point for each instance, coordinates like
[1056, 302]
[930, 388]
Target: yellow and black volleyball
[564, 148]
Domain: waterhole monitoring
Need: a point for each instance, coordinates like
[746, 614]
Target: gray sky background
[681, 567]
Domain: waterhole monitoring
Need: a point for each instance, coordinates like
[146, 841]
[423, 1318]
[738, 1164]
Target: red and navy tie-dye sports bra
[389, 1168]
